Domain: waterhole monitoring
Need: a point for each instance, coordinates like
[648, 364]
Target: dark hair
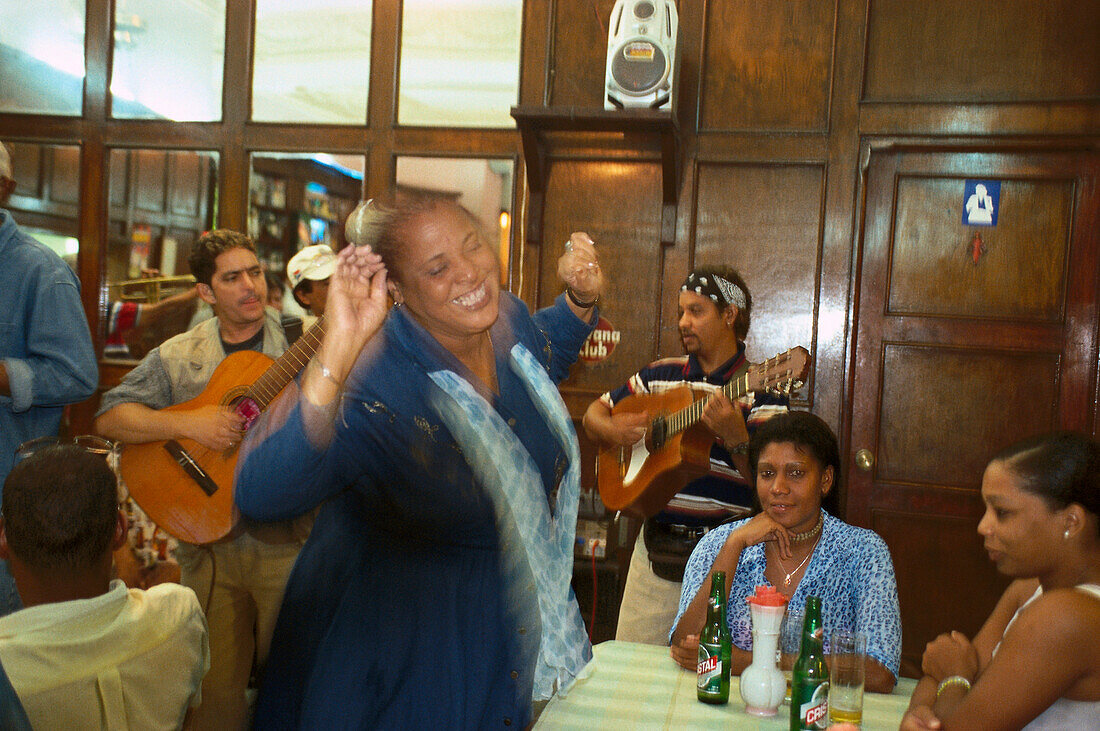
[60, 508]
[744, 314]
[274, 282]
[210, 246]
[808, 431]
[1062, 468]
[384, 226]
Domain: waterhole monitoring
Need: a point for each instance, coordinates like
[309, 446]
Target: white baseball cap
[315, 263]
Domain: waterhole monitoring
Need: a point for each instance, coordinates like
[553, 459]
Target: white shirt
[128, 659]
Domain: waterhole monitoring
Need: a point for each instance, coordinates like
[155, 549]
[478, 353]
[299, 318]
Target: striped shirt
[724, 493]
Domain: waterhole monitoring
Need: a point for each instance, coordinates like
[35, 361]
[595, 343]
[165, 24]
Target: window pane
[483, 186]
[168, 60]
[160, 202]
[299, 199]
[42, 57]
[312, 61]
[459, 62]
[46, 199]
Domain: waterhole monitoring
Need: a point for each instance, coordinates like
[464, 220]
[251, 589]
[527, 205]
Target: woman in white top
[1036, 661]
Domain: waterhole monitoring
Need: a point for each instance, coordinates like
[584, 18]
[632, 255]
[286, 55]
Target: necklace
[799, 537]
[792, 572]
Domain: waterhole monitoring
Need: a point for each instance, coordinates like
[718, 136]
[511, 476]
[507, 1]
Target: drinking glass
[847, 652]
[790, 643]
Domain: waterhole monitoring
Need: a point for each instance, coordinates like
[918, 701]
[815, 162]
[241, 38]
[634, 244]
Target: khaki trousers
[649, 602]
[249, 580]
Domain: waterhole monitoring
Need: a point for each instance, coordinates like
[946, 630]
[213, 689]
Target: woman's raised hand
[579, 267]
[356, 306]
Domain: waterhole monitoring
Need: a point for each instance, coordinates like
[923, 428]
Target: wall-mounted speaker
[641, 55]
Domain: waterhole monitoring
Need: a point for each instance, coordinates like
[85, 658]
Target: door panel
[956, 358]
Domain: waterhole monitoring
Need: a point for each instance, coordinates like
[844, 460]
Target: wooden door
[955, 357]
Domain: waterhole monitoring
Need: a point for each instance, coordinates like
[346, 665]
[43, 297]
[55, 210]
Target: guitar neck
[287, 366]
[689, 415]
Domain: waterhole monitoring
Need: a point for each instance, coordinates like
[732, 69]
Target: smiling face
[790, 484]
[447, 276]
[237, 289]
[1023, 535]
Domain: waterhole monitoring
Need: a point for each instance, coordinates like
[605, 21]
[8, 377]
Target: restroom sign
[981, 201]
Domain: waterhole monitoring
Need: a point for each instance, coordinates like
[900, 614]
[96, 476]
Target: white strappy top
[1063, 713]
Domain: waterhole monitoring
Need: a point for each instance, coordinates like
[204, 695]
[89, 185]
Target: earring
[1066, 534]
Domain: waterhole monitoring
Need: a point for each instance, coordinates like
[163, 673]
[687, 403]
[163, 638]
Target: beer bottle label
[709, 670]
[814, 713]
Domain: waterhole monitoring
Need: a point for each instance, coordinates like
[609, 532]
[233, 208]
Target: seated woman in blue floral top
[796, 544]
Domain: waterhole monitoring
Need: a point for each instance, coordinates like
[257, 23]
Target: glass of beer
[847, 653]
[790, 642]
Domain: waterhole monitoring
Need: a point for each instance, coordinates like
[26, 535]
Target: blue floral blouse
[850, 570]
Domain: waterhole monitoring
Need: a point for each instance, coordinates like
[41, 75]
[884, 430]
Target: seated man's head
[309, 272]
[714, 308]
[230, 278]
[60, 524]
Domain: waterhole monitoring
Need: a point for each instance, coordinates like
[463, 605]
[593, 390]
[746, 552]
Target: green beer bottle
[810, 677]
[713, 681]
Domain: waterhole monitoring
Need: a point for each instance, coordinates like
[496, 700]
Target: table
[633, 686]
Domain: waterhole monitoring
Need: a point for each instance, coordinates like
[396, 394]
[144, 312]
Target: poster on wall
[981, 201]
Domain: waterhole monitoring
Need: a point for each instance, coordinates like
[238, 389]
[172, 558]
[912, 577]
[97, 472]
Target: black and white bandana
[721, 291]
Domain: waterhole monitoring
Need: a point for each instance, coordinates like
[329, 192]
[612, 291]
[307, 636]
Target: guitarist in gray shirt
[239, 580]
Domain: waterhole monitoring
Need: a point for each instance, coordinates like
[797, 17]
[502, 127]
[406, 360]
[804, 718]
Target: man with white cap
[309, 272]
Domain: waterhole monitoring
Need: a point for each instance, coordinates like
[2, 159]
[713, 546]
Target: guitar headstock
[781, 374]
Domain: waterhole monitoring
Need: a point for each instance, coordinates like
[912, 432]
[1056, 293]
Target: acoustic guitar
[675, 450]
[186, 488]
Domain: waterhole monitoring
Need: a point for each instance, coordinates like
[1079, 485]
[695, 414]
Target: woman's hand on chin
[762, 528]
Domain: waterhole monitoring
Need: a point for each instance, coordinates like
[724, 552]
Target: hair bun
[367, 222]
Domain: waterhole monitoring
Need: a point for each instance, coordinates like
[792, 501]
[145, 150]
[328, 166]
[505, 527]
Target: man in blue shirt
[46, 354]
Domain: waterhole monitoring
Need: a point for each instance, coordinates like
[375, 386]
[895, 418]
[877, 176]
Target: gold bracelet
[952, 680]
[326, 373]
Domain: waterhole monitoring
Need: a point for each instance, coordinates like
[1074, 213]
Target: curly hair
[210, 246]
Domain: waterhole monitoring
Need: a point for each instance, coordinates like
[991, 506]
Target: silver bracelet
[326, 373]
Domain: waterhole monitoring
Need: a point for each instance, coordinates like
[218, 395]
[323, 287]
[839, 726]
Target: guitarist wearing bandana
[249, 567]
[714, 311]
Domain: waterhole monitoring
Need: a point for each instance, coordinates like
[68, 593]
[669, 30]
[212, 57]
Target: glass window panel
[168, 60]
[42, 57]
[312, 61]
[299, 199]
[483, 186]
[459, 62]
[46, 199]
[160, 202]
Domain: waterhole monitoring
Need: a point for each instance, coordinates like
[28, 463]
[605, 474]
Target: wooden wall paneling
[941, 565]
[579, 53]
[618, 204]
[186, 183]
[982, 51]
[28, 168]
[150, 170]
[765, 221]
[766, 66]
[1020, 276]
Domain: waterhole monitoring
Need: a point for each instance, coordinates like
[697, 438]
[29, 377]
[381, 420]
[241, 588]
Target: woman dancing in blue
[434, 590]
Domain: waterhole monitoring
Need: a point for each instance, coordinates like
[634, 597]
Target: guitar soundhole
[247, 408]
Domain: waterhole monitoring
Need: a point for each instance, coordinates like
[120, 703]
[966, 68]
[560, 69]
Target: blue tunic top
[850, 570]
[396, 613]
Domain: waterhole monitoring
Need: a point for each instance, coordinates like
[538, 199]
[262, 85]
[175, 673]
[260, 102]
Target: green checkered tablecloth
[633, 686]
